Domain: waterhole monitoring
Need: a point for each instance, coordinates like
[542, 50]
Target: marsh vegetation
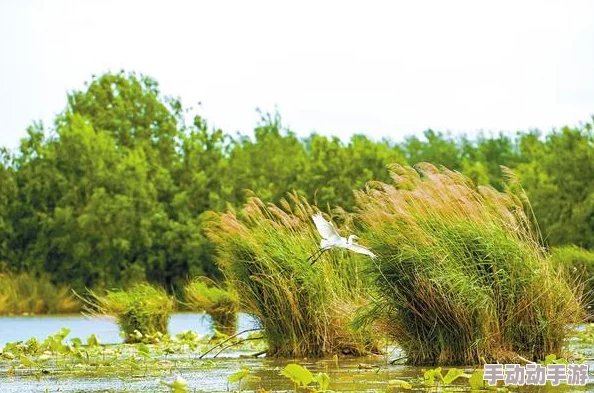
[143, 213]
[142, 311]
[76, 365]
[25, 293]
[463, 277]
[222, 304]
[305, 311]
[113, 191]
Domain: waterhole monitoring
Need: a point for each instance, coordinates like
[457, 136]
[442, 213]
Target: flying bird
[331, 239]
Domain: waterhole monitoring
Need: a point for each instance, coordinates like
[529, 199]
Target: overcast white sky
[384, 68]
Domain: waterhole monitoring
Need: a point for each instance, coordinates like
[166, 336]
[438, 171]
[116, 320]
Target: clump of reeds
[578, 264]
[202, 294]
[142, 311]
[24, 293]
[461, 275]
[304, 310]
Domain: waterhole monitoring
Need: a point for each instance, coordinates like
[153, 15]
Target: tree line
[113, 192]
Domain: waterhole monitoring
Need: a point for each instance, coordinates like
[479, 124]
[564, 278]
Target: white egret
[331, 239]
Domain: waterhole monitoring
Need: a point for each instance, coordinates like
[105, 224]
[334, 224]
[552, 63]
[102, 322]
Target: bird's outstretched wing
[325, 228]
[361, 250]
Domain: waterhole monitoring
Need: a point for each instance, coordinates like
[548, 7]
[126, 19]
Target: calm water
[19, 328]
[205, 375]
[345, 376]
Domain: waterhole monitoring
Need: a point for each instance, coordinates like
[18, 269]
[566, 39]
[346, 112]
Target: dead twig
[237, 343]
[226, 340]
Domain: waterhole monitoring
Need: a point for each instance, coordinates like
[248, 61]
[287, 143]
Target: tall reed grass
[304, 310]
[578, 264]
[461, 275]
[24, 293]
[142, 311]
[202, 294]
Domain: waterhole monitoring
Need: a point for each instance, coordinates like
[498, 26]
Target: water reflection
[21, 328]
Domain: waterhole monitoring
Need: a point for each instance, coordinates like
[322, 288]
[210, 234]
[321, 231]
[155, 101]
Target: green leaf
[144, 351]
[430, 375]
[476, 380]
[61, 335]
[92, 340]
[179, 385]
[239, 375]
[452, 375]
[323, 380]
[298, 374]
[393, 383]
[8, 355]
[550, 359]
[132, 363]
[27, 362]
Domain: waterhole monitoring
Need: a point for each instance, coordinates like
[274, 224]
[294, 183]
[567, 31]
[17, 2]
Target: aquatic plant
[178, 385]
[304, 310]
[25, 293]
[578, 264]
[203, 294]
[238, 376]
[109, 364]
[302, 377]
[142, 311]
[461, 275]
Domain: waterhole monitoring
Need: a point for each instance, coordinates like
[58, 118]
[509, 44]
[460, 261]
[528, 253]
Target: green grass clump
[461, 276]
[202, 294]
[578, 264]
[142, 311]
[304, 310]
[22, 293]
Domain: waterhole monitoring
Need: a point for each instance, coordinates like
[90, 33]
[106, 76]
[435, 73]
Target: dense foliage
[142, 311]
[578, 264]
[22, 293]
[304, 310]
[204, 295]
[114, 191]
[462, 277]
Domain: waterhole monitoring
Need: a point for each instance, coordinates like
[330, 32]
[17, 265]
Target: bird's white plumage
[361, 250]
[326, 229]
[331, 239]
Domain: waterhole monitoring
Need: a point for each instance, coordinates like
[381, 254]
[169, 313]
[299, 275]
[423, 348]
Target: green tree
[38, 188]
[7, 195]
[201, 176]
[270, 165]
[130, 108]
[558, 174]
[323, 179]
[117, 189]
[113, 193]
[367, 160]
[165, 172]
[334, 170]
[483, 157]
[436, 149]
